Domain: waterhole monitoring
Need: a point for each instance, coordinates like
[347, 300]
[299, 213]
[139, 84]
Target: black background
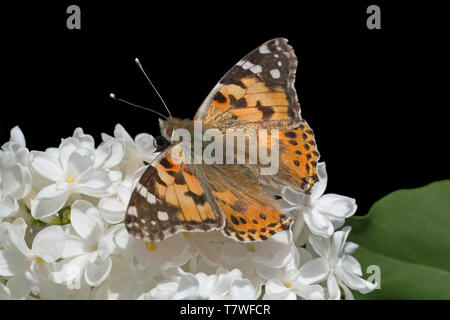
[375, 99]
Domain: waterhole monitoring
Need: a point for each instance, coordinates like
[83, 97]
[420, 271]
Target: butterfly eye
[160, 143]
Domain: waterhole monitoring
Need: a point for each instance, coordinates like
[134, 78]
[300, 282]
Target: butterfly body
[236, 198]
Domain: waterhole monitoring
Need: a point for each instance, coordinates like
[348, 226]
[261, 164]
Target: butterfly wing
[169, 198]
[250, 213]
[257, 92]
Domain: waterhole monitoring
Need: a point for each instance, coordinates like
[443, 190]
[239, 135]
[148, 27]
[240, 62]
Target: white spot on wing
[151, 198]
[279, 63]
[256, 69]
[132, 211]
[143, 191]
[264, 50]
[247, 65]
[275, 73]
[153, 222]
[240, 63]
[163, 216]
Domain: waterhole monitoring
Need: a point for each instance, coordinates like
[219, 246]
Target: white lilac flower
[88, 248]
[321, 213]
[28, 269]
[5, 292]
[15, 177]
[289, 286]
[108, 154]
[74, 168]
[226, 285]
[120, 285]
[141, 149]
[262, 258]
[177, 285]
[92, 256]
[335, 265]
[172, 252]
[286, 283]
[113, 208]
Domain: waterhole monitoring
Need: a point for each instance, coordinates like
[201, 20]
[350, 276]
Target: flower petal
[11, 175]
[314, 271]
[354, 281]
[117, 153]
[5, 292]
[336, 205]
[294, 198]
[276, 290]
[334, 293]
[20, 287]
[11, 262]
[48, 201]
[320, 245]
[8, 206]
[102, 155]
[74, 246]
[66, 147]
[319, 187]
[97, 273]
[317, 223]
[45, 165]
[233, 253]
[112, 210]
[242, 289]
[86, 140]
[17, 240]
[68, 271]
[49, 241]
[17, 136]
[338, 243]
[81, 218]
[79, 162]
[94, 183]
[145, 146]
[187, 287]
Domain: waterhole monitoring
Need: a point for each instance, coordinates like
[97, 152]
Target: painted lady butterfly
[258, 92]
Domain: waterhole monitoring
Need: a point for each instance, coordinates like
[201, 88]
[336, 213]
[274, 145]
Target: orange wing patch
[169, 199]
[298, 158]
[247, 219]
[257, 92]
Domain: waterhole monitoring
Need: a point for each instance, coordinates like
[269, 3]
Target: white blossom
[29, 268]
[137, 150]
[88, 248]
[15, 177]
[335, 265]
[62, 234]
[321, 213]
[74, 168]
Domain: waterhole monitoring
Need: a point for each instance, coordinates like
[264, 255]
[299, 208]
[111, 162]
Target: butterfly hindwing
[257, 92]
[250, 214]
[168, 199]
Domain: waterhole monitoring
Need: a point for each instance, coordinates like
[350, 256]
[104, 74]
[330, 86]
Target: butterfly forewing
[168, 199]
[257, 92]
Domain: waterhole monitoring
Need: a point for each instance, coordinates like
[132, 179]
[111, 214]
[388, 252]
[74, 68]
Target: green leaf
[62, 218]
[407, 234]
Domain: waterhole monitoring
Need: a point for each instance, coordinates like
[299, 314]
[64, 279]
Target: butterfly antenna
[113, 96]
[154, 88]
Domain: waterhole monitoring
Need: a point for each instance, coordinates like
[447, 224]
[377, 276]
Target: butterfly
[172, 196]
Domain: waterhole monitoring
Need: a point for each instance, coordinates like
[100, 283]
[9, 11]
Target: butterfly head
[167, 127]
